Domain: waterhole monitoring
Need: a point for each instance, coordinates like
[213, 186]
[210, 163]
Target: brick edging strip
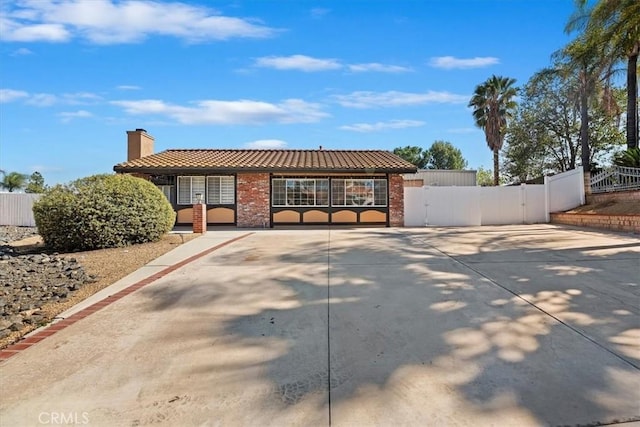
[24, 344]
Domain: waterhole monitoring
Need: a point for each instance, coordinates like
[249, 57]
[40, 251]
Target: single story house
[263, 188]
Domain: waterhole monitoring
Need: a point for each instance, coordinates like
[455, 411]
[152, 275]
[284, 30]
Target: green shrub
[629, 158]
[102, 211]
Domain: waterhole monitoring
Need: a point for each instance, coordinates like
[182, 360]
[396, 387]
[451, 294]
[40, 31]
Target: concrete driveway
[513, 325]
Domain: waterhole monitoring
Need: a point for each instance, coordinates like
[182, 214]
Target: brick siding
[199, 218]
[396, 200]
[629, 223]
[253, 200]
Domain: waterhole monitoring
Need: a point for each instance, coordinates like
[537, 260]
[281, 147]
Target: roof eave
[183, 170]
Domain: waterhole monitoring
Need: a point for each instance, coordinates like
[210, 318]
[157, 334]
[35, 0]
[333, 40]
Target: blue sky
[75, 75]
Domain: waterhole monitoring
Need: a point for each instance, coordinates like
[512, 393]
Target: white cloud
[23, 51]
[80, 98]
[375, 127]
[215, 112]
[450, 62]
[112, 22]
[266, 144]
[319, 12]
[48, 99]
[42, 100]
[14, 30]
[367, 99]
[310, 64]
[128, 87]
[298, 62]
[9, 95]
[68, 116]
[377, 67]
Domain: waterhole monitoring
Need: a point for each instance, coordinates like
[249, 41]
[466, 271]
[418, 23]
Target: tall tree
[580, 59]
[412, 154]
[443, 155]
[36, 184]
[525, 152]
[544, 136]
[13, 181]
[616, 25]
[484, 177]
[493, 106]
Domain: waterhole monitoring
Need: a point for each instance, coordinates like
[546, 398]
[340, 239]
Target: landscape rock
[28, 281]
[10, 233]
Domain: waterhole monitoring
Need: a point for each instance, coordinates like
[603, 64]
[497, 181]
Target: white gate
[472, 206]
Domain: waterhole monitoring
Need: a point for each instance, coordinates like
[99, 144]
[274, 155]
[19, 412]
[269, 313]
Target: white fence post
[546, 199]
[582, 194]
[523, 202]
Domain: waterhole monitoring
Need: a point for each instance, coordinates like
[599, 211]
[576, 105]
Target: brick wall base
[630, 223]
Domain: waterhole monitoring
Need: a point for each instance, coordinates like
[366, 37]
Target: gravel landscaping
[29, 281]
[9, 233]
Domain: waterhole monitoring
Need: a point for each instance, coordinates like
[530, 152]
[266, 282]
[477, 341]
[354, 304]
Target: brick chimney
[139, 144]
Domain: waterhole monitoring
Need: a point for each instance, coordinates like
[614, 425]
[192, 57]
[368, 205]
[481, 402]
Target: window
[188, 187]
[220, 190]
[300, 192]
[167, 190]
[359, 192]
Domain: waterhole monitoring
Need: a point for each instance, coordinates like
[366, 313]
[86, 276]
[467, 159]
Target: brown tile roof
[268, 160]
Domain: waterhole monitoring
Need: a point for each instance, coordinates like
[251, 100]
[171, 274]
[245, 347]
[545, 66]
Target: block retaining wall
[631, 195]
[629, 223]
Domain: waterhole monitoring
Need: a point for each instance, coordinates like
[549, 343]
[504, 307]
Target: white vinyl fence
[470, 206]
[16, 209]
[564, 191]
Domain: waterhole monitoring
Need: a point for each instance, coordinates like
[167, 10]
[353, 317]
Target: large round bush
[102, 211]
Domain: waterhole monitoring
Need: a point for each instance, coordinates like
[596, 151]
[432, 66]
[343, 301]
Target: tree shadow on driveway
[377, 327]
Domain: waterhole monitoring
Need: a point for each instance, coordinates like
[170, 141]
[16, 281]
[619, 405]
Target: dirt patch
[609, 208]
[107, 265]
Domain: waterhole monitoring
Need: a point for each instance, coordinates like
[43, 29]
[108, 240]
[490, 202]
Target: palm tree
[13, 181]
[493, 106]
[615, 23]
[620, 20]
